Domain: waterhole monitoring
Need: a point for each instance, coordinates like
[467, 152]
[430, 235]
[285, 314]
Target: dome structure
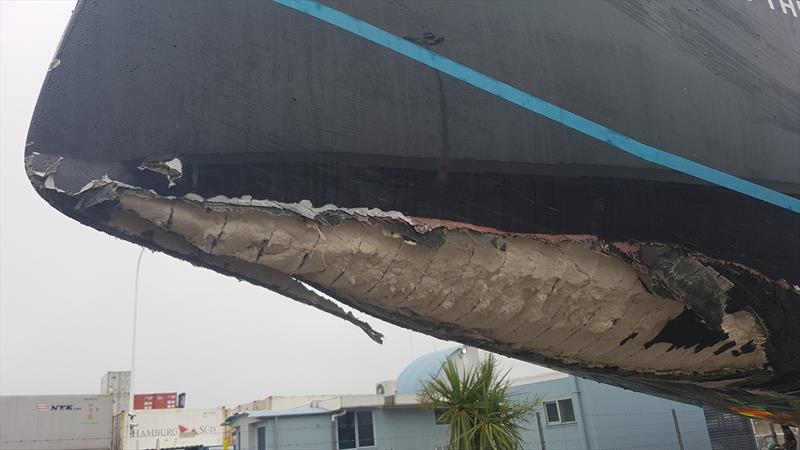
[430, 365]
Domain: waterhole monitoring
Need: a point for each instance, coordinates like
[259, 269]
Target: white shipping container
[55, 422]
[116, 383]
[174, 428]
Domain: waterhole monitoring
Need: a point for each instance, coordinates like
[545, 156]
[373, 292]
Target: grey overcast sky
[66, 290]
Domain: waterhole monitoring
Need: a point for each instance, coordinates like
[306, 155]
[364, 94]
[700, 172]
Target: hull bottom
[639, 303]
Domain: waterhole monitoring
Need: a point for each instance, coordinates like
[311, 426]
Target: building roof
[539, 378]
[299, 411]
[422, 369]
[407, 384]
[270, 413]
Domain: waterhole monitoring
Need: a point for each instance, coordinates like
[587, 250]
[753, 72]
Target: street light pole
[133, 335]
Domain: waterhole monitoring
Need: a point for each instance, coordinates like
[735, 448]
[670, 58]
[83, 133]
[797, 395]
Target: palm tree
[477, 406]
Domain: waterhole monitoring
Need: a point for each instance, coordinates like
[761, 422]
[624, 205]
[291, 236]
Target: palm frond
[477, 406]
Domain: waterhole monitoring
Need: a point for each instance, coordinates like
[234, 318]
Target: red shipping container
[166, 400]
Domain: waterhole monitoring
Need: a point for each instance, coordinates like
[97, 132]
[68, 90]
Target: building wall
[400, 428]
[617, 418]
[556, 437]
[241, 430]
[605, 418]
[408, 428]
[301, 432]
[609, 417]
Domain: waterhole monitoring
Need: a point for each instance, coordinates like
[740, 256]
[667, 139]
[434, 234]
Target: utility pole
[133, 333]
[129, 413]
[677, 429]
[541, 432]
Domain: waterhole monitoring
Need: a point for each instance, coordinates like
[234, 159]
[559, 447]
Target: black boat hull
[263, 100]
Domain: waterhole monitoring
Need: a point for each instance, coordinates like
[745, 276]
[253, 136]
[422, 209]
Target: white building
[574, 414]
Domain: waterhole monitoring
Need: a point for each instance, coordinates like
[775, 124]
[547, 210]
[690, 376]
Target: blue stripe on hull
[532, 103]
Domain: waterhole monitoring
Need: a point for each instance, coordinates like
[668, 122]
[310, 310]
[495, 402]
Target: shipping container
[55, 422]
[173, 428]
[118, 385]
[165, 400]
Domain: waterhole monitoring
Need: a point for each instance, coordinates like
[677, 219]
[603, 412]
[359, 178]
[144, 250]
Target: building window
[559, 411]
[355, 430]
[366, 433]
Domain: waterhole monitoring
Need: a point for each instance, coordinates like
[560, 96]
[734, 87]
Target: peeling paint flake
[172, 169]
